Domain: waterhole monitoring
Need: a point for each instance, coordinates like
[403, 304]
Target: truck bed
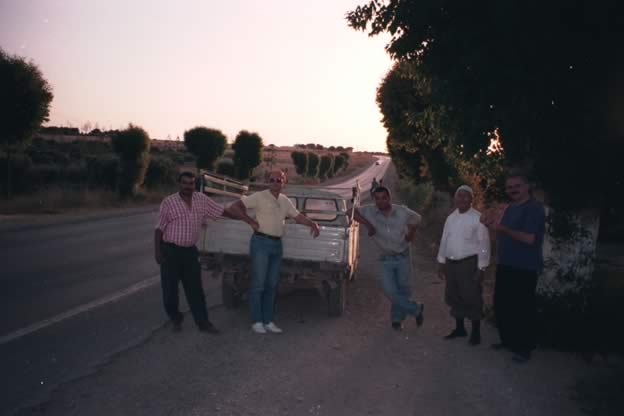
[231, 237]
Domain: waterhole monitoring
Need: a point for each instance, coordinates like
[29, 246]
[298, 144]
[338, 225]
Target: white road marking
[80, 309]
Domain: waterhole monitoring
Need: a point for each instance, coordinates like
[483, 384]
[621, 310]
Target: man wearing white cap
[463, 256]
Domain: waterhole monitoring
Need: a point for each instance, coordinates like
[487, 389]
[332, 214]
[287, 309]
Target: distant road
[75, 291]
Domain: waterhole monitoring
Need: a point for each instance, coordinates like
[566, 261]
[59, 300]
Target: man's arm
[362, 220]
[157, 240]
[314, 228]
[523, 237]
[238, 211]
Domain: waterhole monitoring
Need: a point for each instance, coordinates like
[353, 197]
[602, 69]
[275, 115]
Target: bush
[103, 172]
[20, 173]
[132, 145]
[161, 172]
[300, 160]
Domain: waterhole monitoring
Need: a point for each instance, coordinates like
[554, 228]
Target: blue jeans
[396, 271]
[266, 259]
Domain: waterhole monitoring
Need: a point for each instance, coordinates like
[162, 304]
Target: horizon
[291, 73]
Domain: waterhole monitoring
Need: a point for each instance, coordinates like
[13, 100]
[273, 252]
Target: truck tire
[230, 295]
[337, 298]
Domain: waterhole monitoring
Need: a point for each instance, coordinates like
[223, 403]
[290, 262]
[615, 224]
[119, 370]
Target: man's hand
[479, 275]
[158, 257]
[314, 229]
[254, 224]
[442, 271]
[371, 231]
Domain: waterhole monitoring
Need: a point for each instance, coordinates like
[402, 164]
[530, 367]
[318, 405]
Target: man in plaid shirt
[180, 220]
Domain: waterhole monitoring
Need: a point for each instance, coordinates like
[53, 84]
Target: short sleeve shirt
[180, 223]
[528, 217]
[391, 230]
[270, 211]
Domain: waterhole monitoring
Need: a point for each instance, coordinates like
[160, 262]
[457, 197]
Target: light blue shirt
[391, 230]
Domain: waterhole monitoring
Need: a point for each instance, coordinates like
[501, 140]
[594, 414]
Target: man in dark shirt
[519, 239]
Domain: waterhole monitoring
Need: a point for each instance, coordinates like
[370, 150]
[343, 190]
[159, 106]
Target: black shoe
[499, 346]
[420, 317]
[208, 327]
[176, 324]
[475, 339]
[456, 334]
[397, 326]
[521, 357]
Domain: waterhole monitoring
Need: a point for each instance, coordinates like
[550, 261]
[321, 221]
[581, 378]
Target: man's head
[463, 198]
[186, 183]
[517, 187]
[383, 201]
[277, 180]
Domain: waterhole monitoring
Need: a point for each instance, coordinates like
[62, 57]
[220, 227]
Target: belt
[272, 237]
[404, 254]
[172, 245]
[461, 260]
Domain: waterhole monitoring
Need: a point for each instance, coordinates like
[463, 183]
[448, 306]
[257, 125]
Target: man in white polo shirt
[272, 208]
[463, 256]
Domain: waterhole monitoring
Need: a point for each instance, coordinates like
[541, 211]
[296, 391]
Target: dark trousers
[180, 264]
[514, 305]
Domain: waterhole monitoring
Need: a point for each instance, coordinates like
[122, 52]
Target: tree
[226, 167]
[24, 105]
[551, 90]
[313, 165]
[132, 145]
[247, 153]
[300, 160]
[206, 144]
[326, 167]
[339, 162]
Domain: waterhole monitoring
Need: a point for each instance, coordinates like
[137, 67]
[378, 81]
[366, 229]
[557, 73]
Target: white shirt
[465, 236]
[271, 211]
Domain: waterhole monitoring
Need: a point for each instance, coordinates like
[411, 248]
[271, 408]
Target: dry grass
[61, 200]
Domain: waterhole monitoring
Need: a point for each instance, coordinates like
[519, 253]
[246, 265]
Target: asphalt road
[79, 289]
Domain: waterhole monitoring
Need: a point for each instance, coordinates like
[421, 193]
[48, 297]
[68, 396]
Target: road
[77, 290]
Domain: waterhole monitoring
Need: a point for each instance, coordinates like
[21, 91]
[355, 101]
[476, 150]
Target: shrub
[226, 167]
[161, 172]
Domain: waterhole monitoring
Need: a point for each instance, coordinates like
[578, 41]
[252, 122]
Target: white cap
[464, 188]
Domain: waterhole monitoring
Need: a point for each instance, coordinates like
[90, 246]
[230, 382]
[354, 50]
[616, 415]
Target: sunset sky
[290, 70]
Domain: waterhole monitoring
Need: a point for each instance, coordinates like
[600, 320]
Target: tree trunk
[566, 283]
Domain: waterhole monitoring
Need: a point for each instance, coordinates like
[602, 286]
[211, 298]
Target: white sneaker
[271, 327]
[258, 328]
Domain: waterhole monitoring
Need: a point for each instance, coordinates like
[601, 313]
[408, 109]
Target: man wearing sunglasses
[272, 208]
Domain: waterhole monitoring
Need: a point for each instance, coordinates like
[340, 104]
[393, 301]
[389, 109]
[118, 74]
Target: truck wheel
[337, 298]
[230, 296]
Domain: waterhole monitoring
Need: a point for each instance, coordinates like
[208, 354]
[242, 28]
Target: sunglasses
[274, 180]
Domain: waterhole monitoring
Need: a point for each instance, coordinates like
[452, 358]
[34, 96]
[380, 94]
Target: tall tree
[545, 76]
[132, 145]
[325, 166]
[300, 160]
[206, 144]
[247, 153]
[24, 105]
[313, 165]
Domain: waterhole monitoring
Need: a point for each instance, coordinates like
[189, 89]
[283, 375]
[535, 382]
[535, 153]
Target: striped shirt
[180, 223]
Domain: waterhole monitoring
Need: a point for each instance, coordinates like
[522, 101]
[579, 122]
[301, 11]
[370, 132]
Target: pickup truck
[326, 263]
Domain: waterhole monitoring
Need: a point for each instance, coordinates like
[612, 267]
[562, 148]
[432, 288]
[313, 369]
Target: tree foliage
[132, 145]
[313, 165]
[25, 99]
[326, 166]
[247, 153]
[300, 160]
[339, 163]
[206, 144]
[544, 75]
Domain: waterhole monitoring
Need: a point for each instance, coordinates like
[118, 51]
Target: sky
[290, 70]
